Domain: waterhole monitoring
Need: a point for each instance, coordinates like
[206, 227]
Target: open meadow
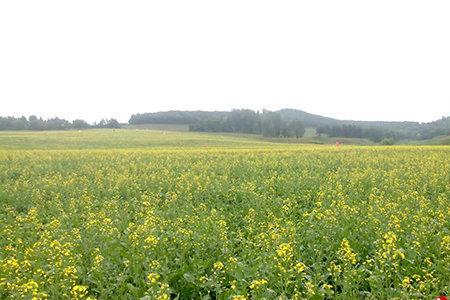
[131, 214]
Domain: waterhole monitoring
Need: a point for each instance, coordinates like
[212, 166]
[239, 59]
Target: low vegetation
[246, 219]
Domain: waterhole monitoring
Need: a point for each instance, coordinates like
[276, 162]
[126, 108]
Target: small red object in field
[441, 297]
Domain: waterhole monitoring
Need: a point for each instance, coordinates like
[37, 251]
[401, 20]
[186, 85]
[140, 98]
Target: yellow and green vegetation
[154, 215]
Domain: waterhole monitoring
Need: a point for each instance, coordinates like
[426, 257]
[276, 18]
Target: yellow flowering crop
[238, 219]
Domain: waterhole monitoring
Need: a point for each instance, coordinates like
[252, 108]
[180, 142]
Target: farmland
[132, 214]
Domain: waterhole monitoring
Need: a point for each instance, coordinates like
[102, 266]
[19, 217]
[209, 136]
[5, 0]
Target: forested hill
[312, 120]
[249, 121]
[308, 119]
[401, 129]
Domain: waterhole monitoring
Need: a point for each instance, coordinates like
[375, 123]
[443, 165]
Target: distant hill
[225, 120]
[309, 120]
[406, 129]
[312, 120]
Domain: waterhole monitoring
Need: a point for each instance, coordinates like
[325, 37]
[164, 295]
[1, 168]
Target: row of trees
[35, 123]
[176, 117]
[377, 134]
[353, 131]
[274, 126]
[269, 124]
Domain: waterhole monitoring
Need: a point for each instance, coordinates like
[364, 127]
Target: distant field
[150, 138]
[120, 139]
[438, 140]
[142, 214]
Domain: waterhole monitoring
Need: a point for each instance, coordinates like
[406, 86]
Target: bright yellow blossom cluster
[346, 252]
[258, 283]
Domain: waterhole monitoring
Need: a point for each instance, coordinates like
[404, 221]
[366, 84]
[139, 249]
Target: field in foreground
[261, 221]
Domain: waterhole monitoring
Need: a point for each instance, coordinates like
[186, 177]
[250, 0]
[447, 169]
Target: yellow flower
[390, 238]
[70, 271]
[346, 252]
[218, 265]
[98, 259]
[310, 288]
[78, 291]
[256, 284]
[445, 244]
[299, 267]
[11, 264]
[151, 241]
[232, 260]
[406, 282]
[153, 277]
[285, 251]
[9, 248]
[31, 286]
[233, 284]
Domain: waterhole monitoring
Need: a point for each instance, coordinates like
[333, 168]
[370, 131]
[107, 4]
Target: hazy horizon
[124, 118]
[127, 119]
[352, 60]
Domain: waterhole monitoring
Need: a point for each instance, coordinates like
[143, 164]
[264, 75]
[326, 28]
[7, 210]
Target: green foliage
[271, 124]
[176, 117]
[38, 124]
[287, 222]
[237, 121]
[298, 128]
[108, 123]
[353, 131]
[387, 142]
[80, 124]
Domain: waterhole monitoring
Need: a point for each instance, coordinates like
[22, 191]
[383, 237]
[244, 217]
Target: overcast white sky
[369, 60]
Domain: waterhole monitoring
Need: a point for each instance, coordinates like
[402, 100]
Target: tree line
[282, 123]
[353, 131]
[267, 123]
[377, 134]
[38, 124]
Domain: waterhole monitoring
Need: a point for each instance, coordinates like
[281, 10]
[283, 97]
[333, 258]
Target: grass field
[121, 139]
[132, 214]
[145, 138]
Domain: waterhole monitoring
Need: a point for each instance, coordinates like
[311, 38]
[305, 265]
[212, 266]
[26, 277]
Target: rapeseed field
[259, 222]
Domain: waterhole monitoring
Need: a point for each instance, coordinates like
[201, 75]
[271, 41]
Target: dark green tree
[271, 124]
[80, 124]
[112, 123]
[298, 128]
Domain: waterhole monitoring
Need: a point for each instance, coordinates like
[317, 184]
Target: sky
[365, 60]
